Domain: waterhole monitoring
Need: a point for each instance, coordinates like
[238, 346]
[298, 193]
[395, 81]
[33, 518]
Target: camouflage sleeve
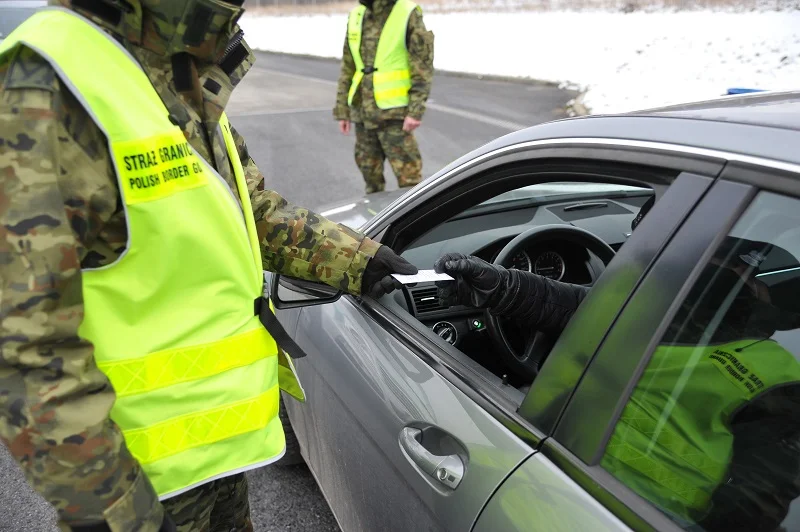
[420, 51]
[54, 402]
[301, 243]
[342, 109]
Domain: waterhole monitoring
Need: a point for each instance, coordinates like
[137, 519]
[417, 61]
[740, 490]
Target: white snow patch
[625, 61]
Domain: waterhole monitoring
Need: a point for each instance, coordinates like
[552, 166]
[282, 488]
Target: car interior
[564, 226]
[565, 222]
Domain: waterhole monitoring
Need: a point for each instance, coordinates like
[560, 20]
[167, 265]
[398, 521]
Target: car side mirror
[289, 292]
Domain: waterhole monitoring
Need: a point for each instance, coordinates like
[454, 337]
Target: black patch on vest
[182, 72]
[212, 86]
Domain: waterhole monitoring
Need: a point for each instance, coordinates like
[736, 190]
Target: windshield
[549, 190]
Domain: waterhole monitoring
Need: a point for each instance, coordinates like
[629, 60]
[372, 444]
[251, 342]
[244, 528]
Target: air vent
[426, 299]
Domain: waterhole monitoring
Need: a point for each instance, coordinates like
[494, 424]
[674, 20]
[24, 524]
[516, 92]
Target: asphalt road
[284, 110]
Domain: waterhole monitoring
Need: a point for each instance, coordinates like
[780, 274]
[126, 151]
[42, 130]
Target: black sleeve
[538, 302]
[764, 474]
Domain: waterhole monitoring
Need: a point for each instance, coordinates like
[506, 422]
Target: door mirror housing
[289, 292]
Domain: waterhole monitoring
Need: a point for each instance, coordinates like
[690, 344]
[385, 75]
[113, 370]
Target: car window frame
[738, 181]
[601, 151]
[418, 337]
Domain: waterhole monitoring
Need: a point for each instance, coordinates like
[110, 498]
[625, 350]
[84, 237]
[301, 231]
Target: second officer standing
[387, 69]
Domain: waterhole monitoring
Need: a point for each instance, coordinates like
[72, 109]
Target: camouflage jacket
[60, 210]
[420, 54]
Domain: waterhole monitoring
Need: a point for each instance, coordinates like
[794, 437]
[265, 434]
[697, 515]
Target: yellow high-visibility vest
[391, 78]
[172, 321]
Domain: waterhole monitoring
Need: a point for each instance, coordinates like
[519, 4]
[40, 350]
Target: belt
[275, 329]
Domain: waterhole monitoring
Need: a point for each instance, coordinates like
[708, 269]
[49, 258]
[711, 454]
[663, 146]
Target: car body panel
[745, 139]
[363, 387]
[541, 497]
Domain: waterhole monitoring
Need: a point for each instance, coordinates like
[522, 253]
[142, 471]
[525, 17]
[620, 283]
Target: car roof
[762, 125]
[771, 109]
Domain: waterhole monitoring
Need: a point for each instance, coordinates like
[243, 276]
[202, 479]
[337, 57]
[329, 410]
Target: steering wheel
[537, 344]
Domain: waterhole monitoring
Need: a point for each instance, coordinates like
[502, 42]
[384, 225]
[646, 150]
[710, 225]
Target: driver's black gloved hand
[477, 283]
[378, 280]
[529, 299]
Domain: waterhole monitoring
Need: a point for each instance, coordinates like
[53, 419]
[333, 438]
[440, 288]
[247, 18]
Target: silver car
[426, 417]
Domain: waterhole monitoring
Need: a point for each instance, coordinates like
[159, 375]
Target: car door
[371, 375]
[669, 488]
[379, 421]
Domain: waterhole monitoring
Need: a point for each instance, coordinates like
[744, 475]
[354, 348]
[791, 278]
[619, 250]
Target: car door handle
[447, 470]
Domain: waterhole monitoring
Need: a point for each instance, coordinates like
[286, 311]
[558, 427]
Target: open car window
[606, 209]
[458, 336]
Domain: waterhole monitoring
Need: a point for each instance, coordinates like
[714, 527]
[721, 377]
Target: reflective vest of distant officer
[391, 77]
[387, 69]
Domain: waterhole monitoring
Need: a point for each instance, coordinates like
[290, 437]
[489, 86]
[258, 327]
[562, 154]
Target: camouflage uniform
[60, 211]
[218, 506]
[379, 132]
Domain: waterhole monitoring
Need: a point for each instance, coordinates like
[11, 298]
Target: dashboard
[560, 261]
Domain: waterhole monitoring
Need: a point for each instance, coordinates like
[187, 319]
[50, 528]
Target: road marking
[463, 113]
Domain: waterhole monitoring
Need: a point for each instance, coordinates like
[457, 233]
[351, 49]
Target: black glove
[533, 301]
[477, 283]
[378, 280]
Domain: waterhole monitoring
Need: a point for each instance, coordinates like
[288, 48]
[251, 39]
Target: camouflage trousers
[219, 506]
[389, 141]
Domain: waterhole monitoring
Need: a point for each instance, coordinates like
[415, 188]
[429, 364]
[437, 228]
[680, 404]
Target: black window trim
[632, 509]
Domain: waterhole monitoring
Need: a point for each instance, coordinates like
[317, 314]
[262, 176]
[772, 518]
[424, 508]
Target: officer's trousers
[387, 141]
[219, 506]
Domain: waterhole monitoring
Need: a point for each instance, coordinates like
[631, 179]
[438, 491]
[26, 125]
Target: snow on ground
[625, 61]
